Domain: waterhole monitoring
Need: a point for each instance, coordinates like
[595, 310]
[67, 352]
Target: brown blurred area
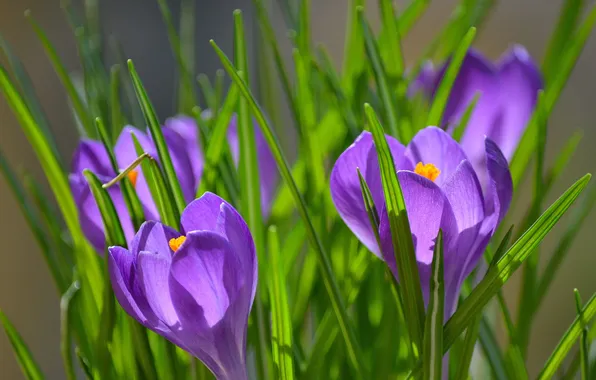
[26, 293]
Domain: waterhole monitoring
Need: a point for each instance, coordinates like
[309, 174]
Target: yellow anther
[429, 171]
[176, 243]
[132, 176]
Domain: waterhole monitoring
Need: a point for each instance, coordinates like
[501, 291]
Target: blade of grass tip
[26, 361]
[574, 331]
[565, 243]
[218, 89]
[565, 66]
[75, 99]
[281, 324]
[32, 219]
[352, 347]
[432, 351]
[569, 15]
[401, 235]
[157, 136]
[86, 258]
[303, 40]
[511, 260]
[583, 340]
[460, 129]
[186, 92]
[439, 102]
[269, 34]
[109, 217]
[117, 119]
[372, 51]
[208, 92]
[65, 343]
[133, 204]
[395, 60]
[353, 60]
[411, 15]
[184, 71]
[158, 189]
[84, 363]
[562, 159]
[28, 91]
[249, 179]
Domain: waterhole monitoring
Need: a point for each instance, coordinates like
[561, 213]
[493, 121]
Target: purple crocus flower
[441, 191]
[195, 289]
[508, 93]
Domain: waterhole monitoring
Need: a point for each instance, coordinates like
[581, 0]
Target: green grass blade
[439, 103]
[281, 324]
[28, 365]
[372, 51]
[391, 44]
[354, 61]
[583, 340]
[337, 303]
[157, 135]
[432, 352]
[511, 260]
[411, 14]
[460, 129]
[75, 99]
[249, 180]
[371, 210]
[469, 344]
[303, 40]
[574, 331]
[492, 351]
[117, 119]
[568, 19]
[401, 235]
[65, 342]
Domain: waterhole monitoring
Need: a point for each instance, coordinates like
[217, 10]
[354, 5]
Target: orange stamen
[176, 242]
[132, 176]
[429, 171]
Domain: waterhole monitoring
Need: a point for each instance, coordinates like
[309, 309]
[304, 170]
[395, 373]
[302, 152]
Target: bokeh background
[26, 293]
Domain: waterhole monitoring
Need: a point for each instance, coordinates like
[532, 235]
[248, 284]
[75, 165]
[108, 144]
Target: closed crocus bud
[507, 90]
[195, 288]
[441, 190]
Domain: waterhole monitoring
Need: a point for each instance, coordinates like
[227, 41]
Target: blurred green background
[26, 293]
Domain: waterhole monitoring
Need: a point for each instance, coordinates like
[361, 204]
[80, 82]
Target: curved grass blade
[281, 324]
[75, 99]
[65, 343]
[337, 303]
[442, 95]
[372, 51]
[28, 365]
[157, 135]
[432, 349]
[574, 331]
[511, 260]
[401, 234]
[392, 40]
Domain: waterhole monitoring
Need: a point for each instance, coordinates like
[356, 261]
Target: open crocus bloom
[195, 288]
[508, 93]
[441, 191]
[182, 138]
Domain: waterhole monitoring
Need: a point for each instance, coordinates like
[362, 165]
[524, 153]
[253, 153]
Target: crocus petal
[347, 194]
[434, 146]
[425, 81]
[125, 153]
[89, 215]
[92, 155]
[500, 186]
[182, 157]
[464, 193]
[428, 210]
[519, 81]
[121, 269]
[153, 237]
[202, 213]
[153, 273]
[188, 129]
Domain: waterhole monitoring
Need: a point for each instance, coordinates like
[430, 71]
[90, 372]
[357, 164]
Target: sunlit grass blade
[390, 44]
[158, 138]
[565, 242]
[372, 51]
[411, 14]
[354, 54]
[249, 180]
[569, 15]
[143, 350]
[401, 235]
[304, 28]
[511, 260]
[65, 327]
[574, 331]
[75, 99]
[28, 92]
[432, 349]
[337, 303]
[435, 115]
[186, 94]
[117, 118]
[281, 325]
[28, 365]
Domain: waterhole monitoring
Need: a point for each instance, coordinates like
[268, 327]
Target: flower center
[132, 176]
[176, 242]
[429, 171]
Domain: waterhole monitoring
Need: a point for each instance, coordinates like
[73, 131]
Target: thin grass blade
[65, 329]
[28, 365]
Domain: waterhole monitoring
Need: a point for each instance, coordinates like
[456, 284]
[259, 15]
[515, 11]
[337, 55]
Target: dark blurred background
[26, 293]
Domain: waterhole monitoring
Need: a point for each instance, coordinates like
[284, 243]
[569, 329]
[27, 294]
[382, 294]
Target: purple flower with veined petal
[508, 93]
[441, 191]
[195, 289]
